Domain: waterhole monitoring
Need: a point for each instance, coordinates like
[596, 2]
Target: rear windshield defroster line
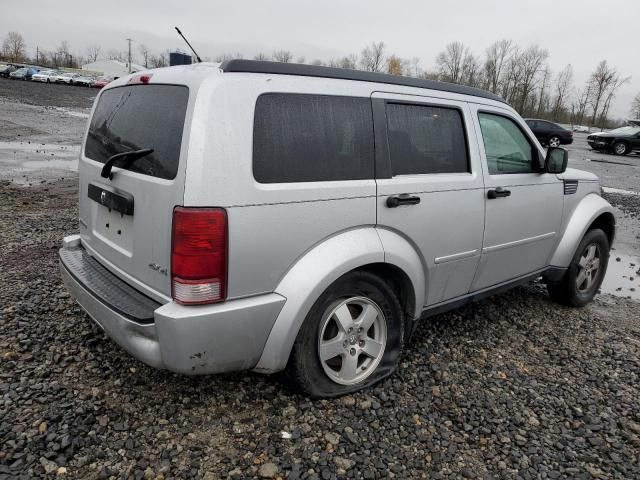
[133, 117]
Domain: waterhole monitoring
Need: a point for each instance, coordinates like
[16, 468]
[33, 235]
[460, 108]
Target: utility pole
[129, 66]
[37, 55]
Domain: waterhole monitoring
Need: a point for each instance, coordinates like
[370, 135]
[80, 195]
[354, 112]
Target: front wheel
[351, 338]
[620, 148]
[585, 273]
[554, 141]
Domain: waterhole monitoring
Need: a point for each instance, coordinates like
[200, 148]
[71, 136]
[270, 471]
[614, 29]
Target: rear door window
[312, 138]
[426, 139]
[134, 117]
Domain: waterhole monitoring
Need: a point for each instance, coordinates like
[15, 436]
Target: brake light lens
[140, 79]
[199, 255]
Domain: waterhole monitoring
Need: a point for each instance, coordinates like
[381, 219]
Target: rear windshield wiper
[130, 157]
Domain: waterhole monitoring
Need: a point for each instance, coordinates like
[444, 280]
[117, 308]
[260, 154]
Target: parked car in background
[581, 129]
[66, 77]
[101, 82]
[83, 80]
[46, 76]
[5, 70]
[620, 141]
[380, 200]
[24, 73]
[548, 133]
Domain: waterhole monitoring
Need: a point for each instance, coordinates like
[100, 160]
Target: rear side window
[312, 138]
[136, 117]
[426, 139]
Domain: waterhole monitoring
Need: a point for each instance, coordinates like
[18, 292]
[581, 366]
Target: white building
[112, 68]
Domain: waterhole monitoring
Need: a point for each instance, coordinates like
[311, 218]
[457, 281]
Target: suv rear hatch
[125, 220]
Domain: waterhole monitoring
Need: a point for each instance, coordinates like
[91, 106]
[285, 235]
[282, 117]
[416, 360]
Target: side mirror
[556, 160]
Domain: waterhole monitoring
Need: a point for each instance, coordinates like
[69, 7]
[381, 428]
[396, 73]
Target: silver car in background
[266, 216]
[46, 76]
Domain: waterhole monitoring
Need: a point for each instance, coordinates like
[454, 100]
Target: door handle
[403, 199]
[497, 193]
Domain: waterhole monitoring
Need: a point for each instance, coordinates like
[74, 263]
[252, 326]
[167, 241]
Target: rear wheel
[620, 148]
[554, 141]
[585, 273]
[351, 339]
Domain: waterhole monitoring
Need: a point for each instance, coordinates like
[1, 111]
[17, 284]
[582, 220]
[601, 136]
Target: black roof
[256, 66]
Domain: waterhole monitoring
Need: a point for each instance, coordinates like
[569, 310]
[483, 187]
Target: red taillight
[199, 255]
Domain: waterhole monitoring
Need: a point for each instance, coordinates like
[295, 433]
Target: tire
[353, 298]
[576, 289]
[620, 148]
[554, 141]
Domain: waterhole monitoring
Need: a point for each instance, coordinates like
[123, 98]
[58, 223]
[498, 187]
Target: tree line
[521, 75]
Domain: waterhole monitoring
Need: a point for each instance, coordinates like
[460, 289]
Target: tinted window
[506, 147]
[424, 139]
[136, 117]
[312, 138]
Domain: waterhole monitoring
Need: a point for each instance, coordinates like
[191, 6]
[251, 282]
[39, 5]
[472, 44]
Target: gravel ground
[47, 94]
[512, 387]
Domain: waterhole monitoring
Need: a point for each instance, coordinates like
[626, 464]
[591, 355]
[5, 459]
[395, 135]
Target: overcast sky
[580, 32]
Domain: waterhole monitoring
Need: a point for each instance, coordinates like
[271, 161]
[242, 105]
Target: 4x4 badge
[103, 197]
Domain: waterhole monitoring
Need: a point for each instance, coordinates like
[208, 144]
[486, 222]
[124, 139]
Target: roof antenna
[194, 52]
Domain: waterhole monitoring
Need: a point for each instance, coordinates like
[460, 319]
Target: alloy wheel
[588, 268]
[554, 142]
[353, 337]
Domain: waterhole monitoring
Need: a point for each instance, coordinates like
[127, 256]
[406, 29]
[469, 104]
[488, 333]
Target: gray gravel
[512, 387]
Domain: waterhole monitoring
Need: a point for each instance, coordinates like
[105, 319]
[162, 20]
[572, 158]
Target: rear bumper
[191, 340]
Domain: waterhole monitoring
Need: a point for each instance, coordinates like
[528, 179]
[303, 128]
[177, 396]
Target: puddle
[24, 160]
[72, 113]
[623, 276]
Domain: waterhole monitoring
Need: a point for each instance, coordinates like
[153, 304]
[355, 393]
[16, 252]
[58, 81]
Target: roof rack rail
[257, 66]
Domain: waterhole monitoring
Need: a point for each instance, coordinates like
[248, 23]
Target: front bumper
[598, 144]
[192, 340]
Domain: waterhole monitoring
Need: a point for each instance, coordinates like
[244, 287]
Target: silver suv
[265, 216]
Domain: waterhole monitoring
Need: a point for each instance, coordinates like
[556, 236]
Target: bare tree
[635, 107]
[611, 93]
[283, 56]
[349, 61]
[93, 52]
[581, 103]
[603, 83]
[471, 72]
[261, 57]
[116, 55]
[497, 58]
[414, 67]
[529, 66]
[160, 60]
[300, 59]
[372, 57]
[317, 62]
[13, 47]
[562, 89]
[450, 62]
[144, 52]
[543, 95]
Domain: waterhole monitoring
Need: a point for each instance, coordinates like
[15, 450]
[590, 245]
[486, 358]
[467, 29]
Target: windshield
[630, 130]
[134, 117]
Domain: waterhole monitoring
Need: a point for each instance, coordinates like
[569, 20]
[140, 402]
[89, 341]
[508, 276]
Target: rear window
[312, 138]
[140, 116]
[426, 139]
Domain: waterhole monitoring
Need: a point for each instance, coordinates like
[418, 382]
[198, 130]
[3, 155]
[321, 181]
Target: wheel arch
[354, 250]
[592, 212]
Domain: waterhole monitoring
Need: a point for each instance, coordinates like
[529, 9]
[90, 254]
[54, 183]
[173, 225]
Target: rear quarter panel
[271, 226]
